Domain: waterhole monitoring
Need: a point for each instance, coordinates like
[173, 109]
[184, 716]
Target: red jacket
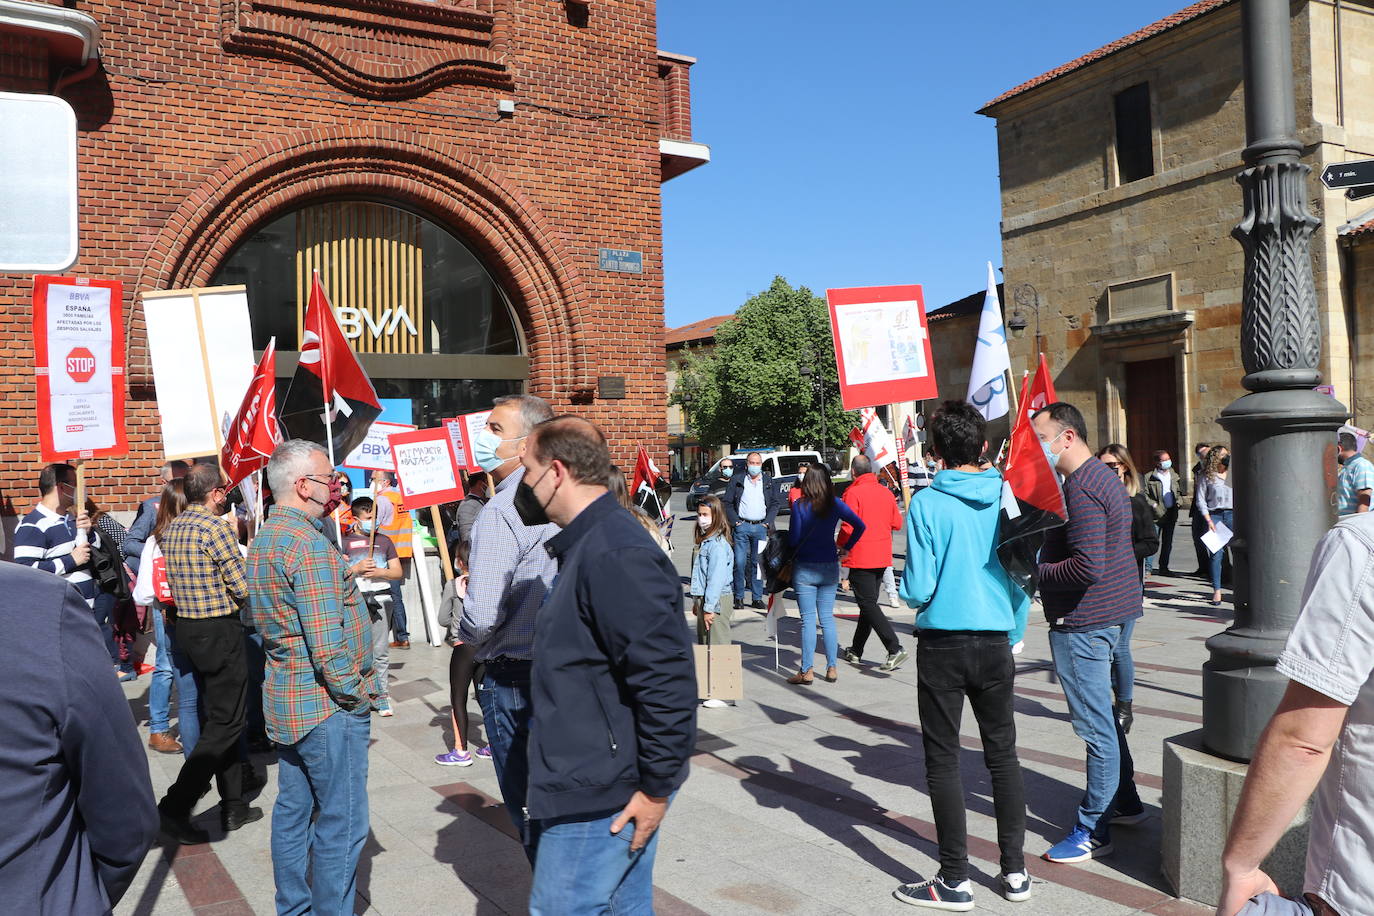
[875, 504]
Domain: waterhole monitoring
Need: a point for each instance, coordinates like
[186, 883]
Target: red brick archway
[502, 224]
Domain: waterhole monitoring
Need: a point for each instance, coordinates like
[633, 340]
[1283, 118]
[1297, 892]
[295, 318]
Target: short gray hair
[533, 409]
[860, 466]
[288, 464]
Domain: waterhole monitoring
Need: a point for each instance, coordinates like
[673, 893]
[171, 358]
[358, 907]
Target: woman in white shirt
[1214, 500]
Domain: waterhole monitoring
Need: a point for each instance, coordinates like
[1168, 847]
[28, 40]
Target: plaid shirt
[314, 627]
[204, 565]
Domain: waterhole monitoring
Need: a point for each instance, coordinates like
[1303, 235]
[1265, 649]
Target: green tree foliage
[750, 389]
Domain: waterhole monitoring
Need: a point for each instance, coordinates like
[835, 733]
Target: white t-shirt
[1331, 650]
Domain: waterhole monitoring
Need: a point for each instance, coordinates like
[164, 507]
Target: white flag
[987, 383]
[878, 444]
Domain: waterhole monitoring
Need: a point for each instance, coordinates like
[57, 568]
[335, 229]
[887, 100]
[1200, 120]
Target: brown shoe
[401, 644]
[801, 677]
[831, 675]
[164, 743]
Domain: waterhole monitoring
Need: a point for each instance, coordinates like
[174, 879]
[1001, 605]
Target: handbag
[778, 555]
[162, 589]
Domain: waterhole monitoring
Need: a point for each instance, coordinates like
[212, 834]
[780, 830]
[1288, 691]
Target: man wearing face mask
[1164, 490]
[1090, 587]
[321, 685]
[205, 572]
[614, 686]
[50, 539]
[751, 504]
[510, 572]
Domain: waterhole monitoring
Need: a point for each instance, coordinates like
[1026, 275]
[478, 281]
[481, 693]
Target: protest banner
[882, 345]
[200, 342]
[78, 335]
[463, 430]
[374, 452]
[427, 476]
[253, 434]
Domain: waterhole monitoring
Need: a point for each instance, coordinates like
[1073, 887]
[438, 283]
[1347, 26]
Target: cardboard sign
[882, 345]
[720, 672]
[374, 452]
[78, 337]
[463, 432]
[201, 345]
[425, 470]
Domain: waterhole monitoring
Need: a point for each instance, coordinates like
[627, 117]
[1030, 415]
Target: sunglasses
[1112, 464]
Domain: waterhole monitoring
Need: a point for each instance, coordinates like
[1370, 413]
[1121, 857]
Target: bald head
[576, 444]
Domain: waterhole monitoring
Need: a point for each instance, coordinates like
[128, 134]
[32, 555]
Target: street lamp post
[1281, 430]
[805, 371]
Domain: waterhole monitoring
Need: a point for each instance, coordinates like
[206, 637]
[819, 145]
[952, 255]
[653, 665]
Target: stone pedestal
[1200, 795]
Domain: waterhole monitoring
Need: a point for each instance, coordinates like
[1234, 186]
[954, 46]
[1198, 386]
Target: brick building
[1118, 200]
[454, 168]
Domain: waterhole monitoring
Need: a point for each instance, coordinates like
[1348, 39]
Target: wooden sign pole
[82, 536]
[442, 538]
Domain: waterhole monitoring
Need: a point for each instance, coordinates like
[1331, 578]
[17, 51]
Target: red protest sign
[882, 345]
[463, 430]
[425, 470]
[78, 337]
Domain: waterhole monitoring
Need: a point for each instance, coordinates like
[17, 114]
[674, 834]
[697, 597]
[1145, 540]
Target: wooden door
[1151, 410]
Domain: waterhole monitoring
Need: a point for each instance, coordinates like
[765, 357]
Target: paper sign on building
[200, 342]
[78, 334]
[425, 470]
[882, 345]
[374, 452]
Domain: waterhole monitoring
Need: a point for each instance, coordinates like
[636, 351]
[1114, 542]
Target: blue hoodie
[953, 576]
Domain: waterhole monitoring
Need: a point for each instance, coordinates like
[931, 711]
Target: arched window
[427, 319]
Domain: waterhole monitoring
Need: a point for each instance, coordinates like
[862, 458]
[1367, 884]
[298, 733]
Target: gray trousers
[379, 609]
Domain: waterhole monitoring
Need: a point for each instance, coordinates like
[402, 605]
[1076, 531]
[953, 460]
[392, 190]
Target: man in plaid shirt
[205, 571]
[321, 685]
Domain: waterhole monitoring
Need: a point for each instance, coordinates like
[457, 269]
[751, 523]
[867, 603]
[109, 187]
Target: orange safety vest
[400, 527]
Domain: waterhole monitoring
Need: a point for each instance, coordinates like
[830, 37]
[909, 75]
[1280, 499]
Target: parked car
[781, 465]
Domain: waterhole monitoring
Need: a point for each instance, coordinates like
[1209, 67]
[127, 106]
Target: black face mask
[532, 512]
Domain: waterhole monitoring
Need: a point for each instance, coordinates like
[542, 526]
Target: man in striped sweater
[1089, 587]
[46, 538]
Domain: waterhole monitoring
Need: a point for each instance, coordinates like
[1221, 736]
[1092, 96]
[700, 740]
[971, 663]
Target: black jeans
[866, 583]
[951, 665]
[215, 649]
[1166, 535]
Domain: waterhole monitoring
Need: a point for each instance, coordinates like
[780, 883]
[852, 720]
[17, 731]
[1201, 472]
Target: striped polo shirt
[1088, 574]
[44, 540]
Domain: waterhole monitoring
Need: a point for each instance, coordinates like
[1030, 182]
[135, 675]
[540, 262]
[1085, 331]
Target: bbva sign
[352, 322]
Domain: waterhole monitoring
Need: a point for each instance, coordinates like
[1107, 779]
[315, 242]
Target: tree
[750, 389]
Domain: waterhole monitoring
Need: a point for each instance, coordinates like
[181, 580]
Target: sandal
[801, 677]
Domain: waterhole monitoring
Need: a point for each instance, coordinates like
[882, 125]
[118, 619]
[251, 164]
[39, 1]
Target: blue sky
[845, 147]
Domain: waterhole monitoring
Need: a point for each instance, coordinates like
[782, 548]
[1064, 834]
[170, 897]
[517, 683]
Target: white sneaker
[714, 704]
[1016, 886]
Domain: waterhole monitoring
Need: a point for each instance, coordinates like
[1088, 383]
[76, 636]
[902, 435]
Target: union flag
[254, 432]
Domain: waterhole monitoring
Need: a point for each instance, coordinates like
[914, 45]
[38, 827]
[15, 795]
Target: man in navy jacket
[614, 686]
[74, 788]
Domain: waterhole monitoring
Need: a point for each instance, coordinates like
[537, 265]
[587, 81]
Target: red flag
[1032, 500]
[857, 437]
[644, 486]
[249, 441]
[1039, 393]
[328, 378]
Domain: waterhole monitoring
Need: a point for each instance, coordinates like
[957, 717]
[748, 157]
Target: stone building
[1118, 200]
[478, 182]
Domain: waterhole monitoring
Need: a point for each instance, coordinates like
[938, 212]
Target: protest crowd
[274, 625]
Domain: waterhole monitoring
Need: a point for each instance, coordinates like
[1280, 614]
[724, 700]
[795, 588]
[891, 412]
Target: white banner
[878, 444]
[80, 357]
[201, 345]
[374, 452]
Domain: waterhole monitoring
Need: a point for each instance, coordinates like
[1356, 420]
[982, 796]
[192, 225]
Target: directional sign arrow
[1359, 193]
[1348, 174]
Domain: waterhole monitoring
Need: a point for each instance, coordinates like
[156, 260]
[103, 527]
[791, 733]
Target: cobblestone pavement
[801, 799]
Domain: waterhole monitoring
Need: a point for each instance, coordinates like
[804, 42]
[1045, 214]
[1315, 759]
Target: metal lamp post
[805, 371]
[1282, 431]
[1026, 297]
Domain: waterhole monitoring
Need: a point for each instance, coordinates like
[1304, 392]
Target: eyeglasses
[311, 477]
[1112, 464]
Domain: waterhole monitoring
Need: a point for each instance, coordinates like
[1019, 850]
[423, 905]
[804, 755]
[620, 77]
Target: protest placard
[374, 452]
[78, 334]
[882, 345]
[200, 342]
[425, 469]
[463, 430]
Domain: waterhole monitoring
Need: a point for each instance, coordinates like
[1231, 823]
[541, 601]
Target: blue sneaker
[454, 758]
[1079, 846]
[482, 753]
[935, 894]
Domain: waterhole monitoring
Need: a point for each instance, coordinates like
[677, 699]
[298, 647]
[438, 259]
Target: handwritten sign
[425, 470]
[374, 452]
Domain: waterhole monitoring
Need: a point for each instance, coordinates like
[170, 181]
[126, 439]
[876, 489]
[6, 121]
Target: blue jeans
[1222, 516]
[748, 537]
[1123, 665]
[399, 625]
[172, 668]
[325, 771]
[815, 585]
[504, 696]
[581, 868]
[105, 604]
[1083, 662]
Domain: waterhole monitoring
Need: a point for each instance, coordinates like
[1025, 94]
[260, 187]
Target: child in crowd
[713, 569]
[463, 668]
[372, 558]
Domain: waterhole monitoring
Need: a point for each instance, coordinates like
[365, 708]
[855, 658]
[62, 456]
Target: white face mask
[703, 522]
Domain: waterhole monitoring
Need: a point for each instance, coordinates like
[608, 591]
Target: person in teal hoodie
[969, 615]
